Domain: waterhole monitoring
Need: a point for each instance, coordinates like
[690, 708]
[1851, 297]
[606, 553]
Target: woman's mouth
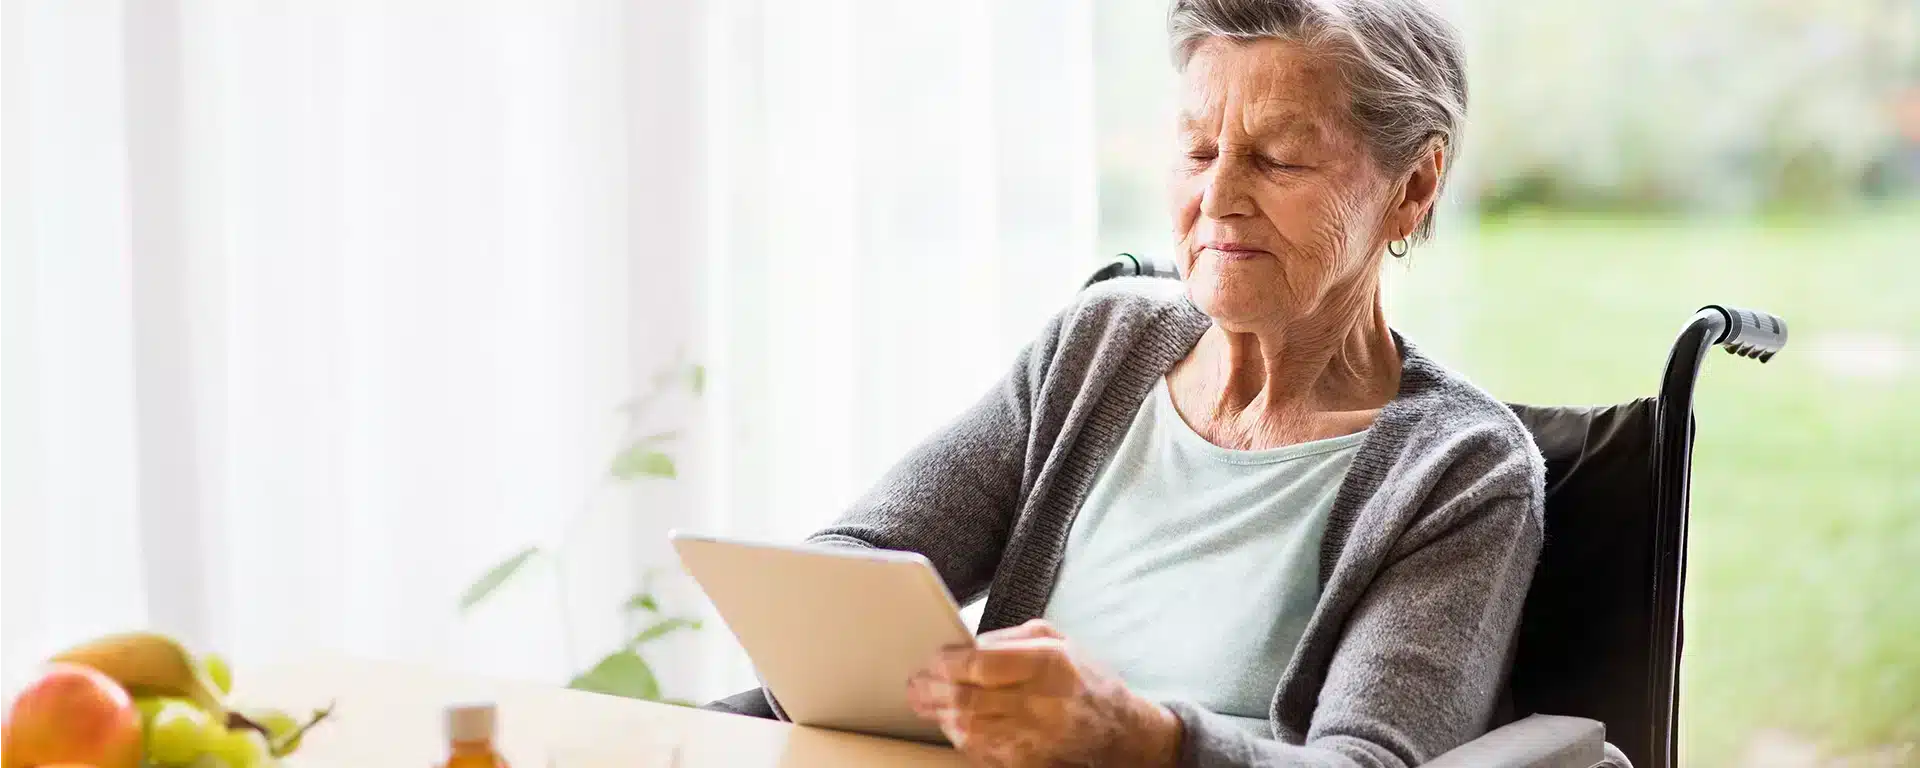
[1234, 251]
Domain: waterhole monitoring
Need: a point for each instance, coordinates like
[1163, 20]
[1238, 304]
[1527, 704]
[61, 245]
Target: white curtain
[903, 193]
[314, 310]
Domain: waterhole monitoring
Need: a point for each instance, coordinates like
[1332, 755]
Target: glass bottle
[470, 729]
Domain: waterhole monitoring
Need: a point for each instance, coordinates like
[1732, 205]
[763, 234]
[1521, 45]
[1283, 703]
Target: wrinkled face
[1280, 210]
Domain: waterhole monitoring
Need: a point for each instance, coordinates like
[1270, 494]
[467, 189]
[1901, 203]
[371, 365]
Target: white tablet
[833, 631]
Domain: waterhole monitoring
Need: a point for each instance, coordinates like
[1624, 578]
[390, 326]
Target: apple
[71, 714]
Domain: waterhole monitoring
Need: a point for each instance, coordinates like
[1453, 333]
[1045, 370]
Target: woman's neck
[1310, 378]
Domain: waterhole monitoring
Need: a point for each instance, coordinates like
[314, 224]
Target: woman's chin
[1231, 303]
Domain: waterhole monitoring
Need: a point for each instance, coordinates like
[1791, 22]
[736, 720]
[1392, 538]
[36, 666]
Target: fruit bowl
[142, 700]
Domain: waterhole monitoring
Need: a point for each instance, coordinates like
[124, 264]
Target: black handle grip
[1116, 268]
[1152, 267]
[1129, 265]
[1752, 333]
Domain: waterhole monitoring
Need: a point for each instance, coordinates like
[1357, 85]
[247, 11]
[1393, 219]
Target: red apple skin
[72, 714]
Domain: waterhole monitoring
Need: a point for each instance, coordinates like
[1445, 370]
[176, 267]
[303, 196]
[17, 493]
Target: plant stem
[634, 409]
[559, 560]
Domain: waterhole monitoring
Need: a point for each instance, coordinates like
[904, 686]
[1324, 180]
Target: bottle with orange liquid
[470, 729]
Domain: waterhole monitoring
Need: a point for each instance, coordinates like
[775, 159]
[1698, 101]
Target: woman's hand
[1020, 698]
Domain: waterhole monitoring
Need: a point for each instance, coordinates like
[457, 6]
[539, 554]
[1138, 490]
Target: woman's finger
[930, 696]
[1031, 629]
[965, 726]
[1003, 664]
[1011, 703]
[921, 696]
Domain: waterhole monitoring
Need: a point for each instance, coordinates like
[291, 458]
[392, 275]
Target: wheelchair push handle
[1750, 332]
[1129, 265]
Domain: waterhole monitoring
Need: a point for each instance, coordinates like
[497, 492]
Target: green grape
[208, 761]
[150, 706]
[217, 671]
[179, 732]
[243, 748]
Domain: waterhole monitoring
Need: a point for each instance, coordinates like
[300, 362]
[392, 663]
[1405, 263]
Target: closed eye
[1198, 158]
[1276, 164]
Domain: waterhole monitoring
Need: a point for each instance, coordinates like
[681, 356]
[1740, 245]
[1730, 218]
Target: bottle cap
[470, 722]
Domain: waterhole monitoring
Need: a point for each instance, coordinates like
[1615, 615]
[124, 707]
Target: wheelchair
[1598, 654]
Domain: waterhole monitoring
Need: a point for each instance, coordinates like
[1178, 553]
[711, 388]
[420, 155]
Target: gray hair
[1402, 63]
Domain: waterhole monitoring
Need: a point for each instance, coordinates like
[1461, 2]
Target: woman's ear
[1420, 189]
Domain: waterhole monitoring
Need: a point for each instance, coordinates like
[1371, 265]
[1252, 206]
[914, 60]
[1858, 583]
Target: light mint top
[1192, 569]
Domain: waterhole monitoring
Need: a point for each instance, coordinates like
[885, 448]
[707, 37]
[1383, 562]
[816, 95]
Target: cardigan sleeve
[953, 498]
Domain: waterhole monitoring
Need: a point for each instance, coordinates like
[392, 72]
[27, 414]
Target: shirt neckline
[1187, 437]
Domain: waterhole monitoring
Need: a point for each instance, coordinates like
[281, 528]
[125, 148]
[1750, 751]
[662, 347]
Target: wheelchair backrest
[1584, 645]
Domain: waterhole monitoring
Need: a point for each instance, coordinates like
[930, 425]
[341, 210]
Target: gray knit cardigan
[1431, 544]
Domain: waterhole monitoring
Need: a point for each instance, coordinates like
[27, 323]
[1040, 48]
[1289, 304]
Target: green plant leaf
[641, 460]
[680, 703]
[643, 602]
[621, 673]
[697, 378]
[658, 437]
[661, 629]
[484, 586]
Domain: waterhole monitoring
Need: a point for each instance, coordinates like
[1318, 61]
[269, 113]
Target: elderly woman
[1238, 520]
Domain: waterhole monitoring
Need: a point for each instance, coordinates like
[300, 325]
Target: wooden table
[391, 715]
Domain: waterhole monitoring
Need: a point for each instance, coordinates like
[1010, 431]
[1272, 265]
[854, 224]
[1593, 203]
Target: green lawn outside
[1803, 601]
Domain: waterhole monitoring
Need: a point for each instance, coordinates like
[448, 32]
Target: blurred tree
[1684, 104]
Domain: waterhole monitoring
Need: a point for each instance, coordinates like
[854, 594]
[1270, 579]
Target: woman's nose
[1226, 191]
